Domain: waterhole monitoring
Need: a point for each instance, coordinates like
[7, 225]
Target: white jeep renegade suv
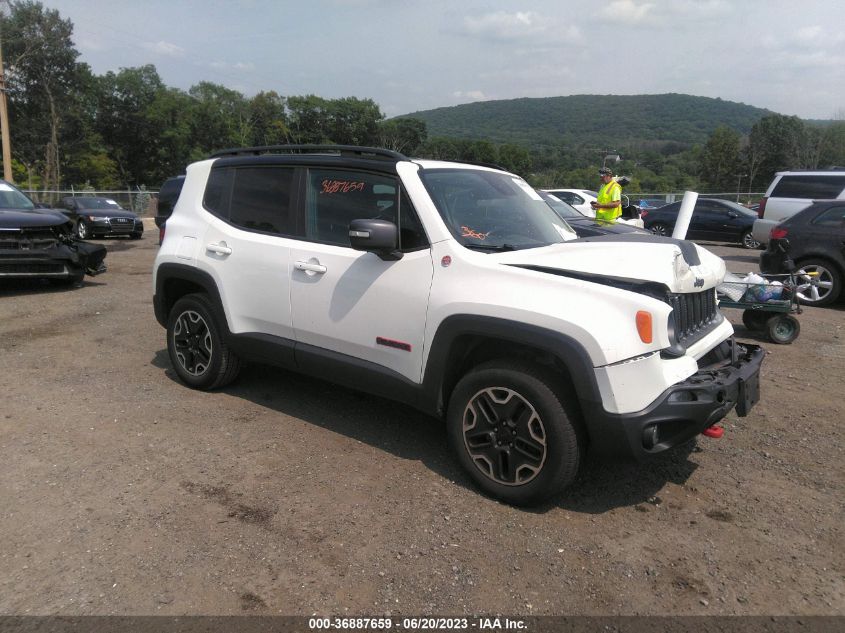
[456, 289]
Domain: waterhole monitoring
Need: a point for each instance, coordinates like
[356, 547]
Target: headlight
[95, 218]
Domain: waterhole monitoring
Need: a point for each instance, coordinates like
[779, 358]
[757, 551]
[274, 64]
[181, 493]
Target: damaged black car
[40, 243]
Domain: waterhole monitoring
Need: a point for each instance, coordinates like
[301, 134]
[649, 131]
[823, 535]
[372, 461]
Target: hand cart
[763, 310]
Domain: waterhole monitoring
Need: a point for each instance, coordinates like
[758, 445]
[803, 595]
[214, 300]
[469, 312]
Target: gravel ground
[125, 492]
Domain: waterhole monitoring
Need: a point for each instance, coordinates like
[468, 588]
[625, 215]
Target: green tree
[440, 148]
[353, 121]
[43, 84]
[404, 135]
[220, 118]
[124, 123]
[777, 143]
[308, 119]
[720, 160]
[268, 119]
[515, 159]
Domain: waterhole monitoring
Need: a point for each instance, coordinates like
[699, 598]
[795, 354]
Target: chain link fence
[141, 201]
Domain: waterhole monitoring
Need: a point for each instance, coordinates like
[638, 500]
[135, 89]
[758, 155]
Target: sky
[787, 56]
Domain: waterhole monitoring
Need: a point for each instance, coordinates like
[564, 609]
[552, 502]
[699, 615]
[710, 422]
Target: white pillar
[684, 215]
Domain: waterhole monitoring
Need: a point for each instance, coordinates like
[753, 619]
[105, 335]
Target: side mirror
[375, 236]
[733, 214]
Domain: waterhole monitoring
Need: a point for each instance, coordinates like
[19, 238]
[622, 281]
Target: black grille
[30, 268]
[123, 221]
[694, 314]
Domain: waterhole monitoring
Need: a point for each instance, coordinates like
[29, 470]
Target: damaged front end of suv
[36, 243]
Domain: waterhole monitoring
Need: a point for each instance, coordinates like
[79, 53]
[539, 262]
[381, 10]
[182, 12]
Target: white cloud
[506, 26]
[627, 11]
[166, 49]
[472, 95]
[246, 66]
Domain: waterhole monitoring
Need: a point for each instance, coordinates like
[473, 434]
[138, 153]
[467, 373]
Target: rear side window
[833, 217]
[809, 187]
[216, 197]
[253, 198]
[261, 199]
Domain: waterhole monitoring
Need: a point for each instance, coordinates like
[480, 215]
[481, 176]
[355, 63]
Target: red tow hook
[714, 431]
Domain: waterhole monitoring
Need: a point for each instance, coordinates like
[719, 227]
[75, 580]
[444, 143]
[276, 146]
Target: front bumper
[773, 259]
[115, 226]
[61, 261]
[728, 378]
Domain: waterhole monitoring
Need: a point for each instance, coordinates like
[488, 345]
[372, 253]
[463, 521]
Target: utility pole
[4, 122]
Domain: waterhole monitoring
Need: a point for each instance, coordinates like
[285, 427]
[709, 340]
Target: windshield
[488, 210]
[97, 203]
[564, 210]
[11, 198]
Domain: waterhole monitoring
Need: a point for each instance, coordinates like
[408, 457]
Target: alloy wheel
[748, 241]
[192, 340]
[815, 283]
[504, 436]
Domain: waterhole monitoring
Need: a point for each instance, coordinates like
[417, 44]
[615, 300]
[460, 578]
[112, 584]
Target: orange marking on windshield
[477, 235]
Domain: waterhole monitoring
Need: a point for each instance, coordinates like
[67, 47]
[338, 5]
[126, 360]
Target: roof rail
[340, 150]
[477, 163]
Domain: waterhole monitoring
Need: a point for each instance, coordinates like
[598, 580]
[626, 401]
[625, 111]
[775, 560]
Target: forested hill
[611, 120]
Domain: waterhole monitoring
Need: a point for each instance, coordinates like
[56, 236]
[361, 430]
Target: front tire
[819, 282]
[195, 344]
[514, 435]
[82, 230]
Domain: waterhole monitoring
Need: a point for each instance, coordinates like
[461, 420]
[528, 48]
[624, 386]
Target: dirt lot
[126, 493]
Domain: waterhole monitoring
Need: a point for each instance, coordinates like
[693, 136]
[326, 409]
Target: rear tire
[515, 436]
[659, 228]
[819, 282]
[196, 347]
[748, 241]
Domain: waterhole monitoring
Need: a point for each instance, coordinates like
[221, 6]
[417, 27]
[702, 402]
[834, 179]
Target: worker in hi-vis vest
[608, 206]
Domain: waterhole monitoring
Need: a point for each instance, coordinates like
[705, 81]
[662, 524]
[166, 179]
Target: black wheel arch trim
[169, 273]
[459, 335]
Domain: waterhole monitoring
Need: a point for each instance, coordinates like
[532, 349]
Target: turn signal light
[644, 326]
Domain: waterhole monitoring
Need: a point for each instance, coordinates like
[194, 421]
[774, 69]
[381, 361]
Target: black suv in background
[167, 197]
[813, 239]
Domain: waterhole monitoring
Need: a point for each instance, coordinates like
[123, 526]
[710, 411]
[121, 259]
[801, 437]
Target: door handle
[220, 249]
[309, 267]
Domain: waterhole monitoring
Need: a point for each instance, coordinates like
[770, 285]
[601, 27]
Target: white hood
[680, 266]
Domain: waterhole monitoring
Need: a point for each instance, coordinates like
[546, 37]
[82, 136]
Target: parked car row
[712, 219]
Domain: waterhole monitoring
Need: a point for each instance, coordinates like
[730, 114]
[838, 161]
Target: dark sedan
[814, 241]
[94, 216]
[712, 219]
[581, 224]
[39, 243]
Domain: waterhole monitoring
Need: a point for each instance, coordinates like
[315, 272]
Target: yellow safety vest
[608, 193]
